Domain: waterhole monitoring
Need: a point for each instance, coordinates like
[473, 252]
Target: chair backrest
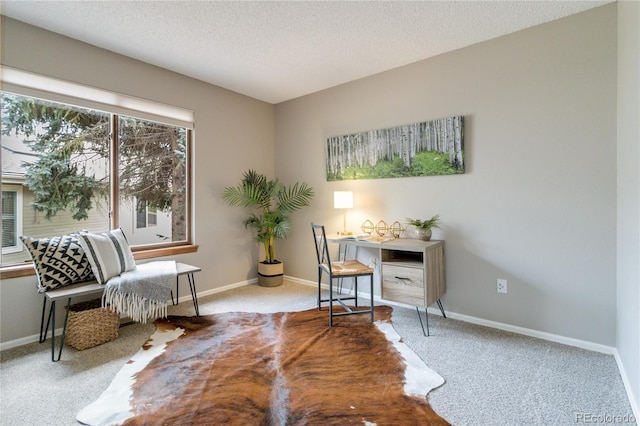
[322, 248]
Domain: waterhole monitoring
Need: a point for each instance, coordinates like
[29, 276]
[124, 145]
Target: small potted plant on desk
[421, 229]
[272, 203]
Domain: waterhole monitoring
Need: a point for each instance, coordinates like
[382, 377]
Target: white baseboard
[596, 347]
[635, 406]
[186, 298]
[21, 341]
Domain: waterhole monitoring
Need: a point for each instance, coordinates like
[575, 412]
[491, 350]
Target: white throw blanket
[143, 292]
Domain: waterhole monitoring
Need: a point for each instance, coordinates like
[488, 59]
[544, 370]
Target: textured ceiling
[274, 50]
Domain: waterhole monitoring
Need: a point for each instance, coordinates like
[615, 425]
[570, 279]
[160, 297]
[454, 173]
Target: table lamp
[343, 200]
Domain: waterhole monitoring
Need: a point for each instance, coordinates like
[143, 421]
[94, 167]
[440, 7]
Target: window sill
[26, 269]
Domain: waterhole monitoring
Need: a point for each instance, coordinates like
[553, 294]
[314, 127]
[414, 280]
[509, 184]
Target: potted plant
[421, 229]
[272, 203]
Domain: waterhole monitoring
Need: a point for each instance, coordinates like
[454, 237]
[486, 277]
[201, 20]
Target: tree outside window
[62, 156]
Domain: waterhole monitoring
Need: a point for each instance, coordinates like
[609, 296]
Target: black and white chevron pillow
[58, 261]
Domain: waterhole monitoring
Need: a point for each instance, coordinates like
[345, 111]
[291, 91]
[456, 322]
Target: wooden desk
[410, 271]
[92, 287]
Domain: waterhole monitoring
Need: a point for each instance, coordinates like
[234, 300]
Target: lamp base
[345, 233]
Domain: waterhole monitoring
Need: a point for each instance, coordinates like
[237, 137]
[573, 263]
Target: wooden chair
[338, 270]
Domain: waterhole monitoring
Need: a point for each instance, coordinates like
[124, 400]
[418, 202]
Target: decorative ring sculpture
[382, 228]
[397, 229]
[367, 227]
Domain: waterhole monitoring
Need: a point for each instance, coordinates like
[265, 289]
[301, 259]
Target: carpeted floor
[492, 377]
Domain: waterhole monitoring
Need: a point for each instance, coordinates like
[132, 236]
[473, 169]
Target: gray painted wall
[537, 204]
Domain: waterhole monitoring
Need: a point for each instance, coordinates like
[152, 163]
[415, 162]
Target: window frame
[115, 190]
[176, 116]
[17, 217]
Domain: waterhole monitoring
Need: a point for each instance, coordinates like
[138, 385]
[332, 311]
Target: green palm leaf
[272, 204]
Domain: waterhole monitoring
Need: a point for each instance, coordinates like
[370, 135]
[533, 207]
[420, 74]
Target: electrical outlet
[501, 286]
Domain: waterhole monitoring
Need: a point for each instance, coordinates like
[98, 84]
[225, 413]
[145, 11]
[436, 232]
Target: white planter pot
[417, 233]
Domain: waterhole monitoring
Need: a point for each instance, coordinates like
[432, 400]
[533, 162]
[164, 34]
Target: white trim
[39, 86]
[17, 216]
[217, 290]
[584, 344]
[627, 385]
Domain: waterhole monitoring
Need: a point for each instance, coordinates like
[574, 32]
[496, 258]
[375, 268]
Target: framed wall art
[429, 148]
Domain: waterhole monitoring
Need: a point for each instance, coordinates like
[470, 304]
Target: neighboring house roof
[15, 152]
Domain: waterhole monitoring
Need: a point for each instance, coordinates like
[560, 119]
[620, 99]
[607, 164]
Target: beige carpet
[492, 377]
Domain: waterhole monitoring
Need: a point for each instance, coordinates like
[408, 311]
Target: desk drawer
[403, 284]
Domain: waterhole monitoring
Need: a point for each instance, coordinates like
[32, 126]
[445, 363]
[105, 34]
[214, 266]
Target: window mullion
[114, 179]
[188, 188]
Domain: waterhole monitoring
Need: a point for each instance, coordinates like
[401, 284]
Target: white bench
[92, 287]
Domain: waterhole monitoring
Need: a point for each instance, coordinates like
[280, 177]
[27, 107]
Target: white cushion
[108, 252]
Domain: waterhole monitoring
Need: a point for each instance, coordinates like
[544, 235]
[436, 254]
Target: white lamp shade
[343, 199]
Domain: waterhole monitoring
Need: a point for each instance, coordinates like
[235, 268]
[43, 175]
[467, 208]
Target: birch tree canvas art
[429, 148]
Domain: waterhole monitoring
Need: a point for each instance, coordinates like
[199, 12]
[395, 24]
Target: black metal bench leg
[44, 330]
[175, 302]
[194, 295]
[52, 316]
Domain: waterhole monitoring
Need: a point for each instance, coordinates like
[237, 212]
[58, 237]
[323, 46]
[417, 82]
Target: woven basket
[91, 325]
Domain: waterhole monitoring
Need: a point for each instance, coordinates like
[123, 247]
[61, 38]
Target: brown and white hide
[286, 368]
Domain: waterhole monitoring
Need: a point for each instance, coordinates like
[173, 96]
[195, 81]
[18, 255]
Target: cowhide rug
[286, 368]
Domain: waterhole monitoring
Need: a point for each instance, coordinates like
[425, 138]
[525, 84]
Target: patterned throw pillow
[108, 252]
[58, 261]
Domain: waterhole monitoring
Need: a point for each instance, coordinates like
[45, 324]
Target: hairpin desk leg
[426, 315]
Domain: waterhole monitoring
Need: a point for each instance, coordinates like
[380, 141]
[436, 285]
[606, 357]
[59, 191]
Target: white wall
[628, 263]
[233, 132]
[537, 204]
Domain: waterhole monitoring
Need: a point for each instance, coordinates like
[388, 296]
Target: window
[11, 219]
[146, 216]
[82, 168]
